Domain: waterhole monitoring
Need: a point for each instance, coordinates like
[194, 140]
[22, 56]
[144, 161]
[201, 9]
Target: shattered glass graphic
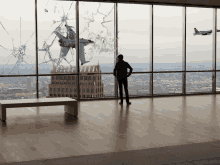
[98, 24]
[95, 27]
[16, 52]
[59, 26]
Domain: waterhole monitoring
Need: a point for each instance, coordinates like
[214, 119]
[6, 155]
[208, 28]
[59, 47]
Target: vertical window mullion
[36, 30]
[116, 44]
[184, 52]
[77, 47]
[151, 85]
[214, 51]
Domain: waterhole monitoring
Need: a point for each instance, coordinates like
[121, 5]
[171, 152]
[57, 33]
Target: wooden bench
[71, 106]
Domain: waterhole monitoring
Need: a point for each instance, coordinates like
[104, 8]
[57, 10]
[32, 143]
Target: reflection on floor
[153, 130]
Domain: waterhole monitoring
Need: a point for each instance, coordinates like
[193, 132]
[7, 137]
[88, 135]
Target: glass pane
[217, 81]
[43, 85]
[134, 39]
[138, 85]
[199, 27]
[59, 86]
[167, 83]
[96, 28]
[96, 86]
[56, 21]
[17, 88]
[109, 85]
[90, 84]
[218, 41]
[198, 82]
[168, 38]
[17, 43]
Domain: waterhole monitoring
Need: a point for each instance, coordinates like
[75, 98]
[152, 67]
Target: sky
[133, 25]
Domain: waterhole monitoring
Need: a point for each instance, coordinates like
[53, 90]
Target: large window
[167, 83]
[56, 34]
[54, 19]
[138, 85]
[167, 38]
[96, 33]
[199, 42]
[198, 82]
[218, 52]
[133, 33]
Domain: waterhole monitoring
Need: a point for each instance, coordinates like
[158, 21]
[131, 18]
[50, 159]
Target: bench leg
[72, 108]
[2, 113]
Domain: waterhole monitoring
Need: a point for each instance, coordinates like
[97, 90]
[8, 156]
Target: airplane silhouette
[203, 32]
[69, 42]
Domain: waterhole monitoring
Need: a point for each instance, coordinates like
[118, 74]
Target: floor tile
[26, 163]
[150, 156]
[195, 151]
[2, 159]
[179, 124]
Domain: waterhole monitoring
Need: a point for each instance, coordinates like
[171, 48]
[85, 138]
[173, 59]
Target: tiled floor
[165, 130]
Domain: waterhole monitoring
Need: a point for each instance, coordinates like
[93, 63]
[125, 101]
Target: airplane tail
[196, 31]
[84, 62]
[81, 54]
[70, 33]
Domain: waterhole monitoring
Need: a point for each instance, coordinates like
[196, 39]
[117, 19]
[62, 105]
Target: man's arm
[131, 69]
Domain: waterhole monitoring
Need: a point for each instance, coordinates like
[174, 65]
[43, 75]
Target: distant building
[65, 86]
[39, 94]
[15, 90]
[44, 84]
[33, 82]
[28, 84]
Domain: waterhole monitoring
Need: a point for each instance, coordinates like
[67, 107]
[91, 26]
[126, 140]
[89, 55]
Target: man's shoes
[128, 103]
[121, 103]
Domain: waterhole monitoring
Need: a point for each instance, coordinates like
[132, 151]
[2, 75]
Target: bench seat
[71, 106]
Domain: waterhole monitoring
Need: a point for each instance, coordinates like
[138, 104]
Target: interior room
[60, 76]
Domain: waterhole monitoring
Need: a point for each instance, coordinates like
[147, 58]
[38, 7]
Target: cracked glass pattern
[17, 44]
[96, 23]
[53, 16]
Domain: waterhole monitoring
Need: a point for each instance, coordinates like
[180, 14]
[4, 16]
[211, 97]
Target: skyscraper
[66, 86]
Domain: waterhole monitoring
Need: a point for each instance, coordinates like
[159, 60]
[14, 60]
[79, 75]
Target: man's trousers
[123, 81]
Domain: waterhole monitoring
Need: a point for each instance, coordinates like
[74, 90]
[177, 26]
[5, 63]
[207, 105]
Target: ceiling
[192, 3]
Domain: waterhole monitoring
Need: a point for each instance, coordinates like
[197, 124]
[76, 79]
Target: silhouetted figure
[120, 72]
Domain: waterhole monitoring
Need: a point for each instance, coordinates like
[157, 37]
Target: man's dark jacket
[120, 70]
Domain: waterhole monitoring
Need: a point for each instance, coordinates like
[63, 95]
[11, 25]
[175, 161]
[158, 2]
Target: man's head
[120, 57]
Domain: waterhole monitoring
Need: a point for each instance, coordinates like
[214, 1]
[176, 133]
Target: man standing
[121, 70]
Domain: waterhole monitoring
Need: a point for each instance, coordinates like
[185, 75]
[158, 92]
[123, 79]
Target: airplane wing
[64, 51]
[60, 36]
[85, 41]
[206, 32]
